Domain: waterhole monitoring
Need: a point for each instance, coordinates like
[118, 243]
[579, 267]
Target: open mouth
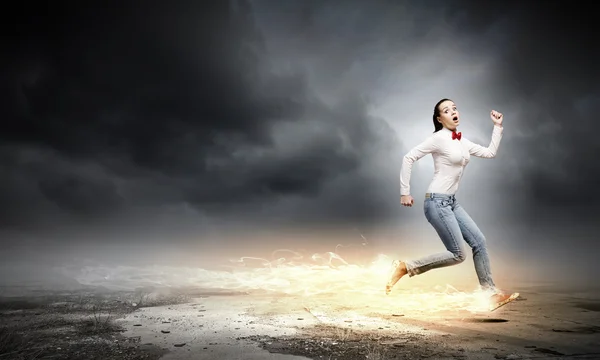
[455, 119]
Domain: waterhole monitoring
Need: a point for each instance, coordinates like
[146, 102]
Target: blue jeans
[453, 224]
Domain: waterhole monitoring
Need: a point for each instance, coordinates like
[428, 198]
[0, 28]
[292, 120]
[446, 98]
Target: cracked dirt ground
[198, 324]
[539, 325]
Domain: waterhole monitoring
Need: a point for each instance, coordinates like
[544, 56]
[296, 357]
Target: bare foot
[500, 299]
[398, 271]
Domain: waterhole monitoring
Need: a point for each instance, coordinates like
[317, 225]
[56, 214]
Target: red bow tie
[456, 135]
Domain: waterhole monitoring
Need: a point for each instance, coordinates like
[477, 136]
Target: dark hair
[436, 112]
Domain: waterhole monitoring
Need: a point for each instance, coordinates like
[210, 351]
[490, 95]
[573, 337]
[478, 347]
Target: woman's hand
[407, 200]
[497, 117]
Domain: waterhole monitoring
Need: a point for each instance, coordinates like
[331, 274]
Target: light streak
[319, 277]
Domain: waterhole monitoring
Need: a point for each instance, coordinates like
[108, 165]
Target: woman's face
[449, 115]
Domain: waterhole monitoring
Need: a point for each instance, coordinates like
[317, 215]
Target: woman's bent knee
[459, 257]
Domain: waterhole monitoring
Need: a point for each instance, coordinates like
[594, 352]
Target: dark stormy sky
[156, 123]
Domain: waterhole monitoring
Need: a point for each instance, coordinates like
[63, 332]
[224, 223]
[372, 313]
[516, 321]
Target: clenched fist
[497, 117]
[407, 200]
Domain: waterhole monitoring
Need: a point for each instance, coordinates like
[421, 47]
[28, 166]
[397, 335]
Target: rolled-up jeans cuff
[411, 269]
[491, 289]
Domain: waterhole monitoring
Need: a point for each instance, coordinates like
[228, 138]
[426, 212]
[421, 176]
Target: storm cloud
[286, 113]
[159, 106]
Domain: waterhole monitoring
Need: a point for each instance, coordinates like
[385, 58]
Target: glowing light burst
[330, 275]
[325, 277]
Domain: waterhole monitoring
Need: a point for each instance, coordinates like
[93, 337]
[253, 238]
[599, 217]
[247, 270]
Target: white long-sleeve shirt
[450, 157]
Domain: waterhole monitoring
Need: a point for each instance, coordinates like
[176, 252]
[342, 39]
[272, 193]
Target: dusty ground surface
[195, 324]
[75, 324]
